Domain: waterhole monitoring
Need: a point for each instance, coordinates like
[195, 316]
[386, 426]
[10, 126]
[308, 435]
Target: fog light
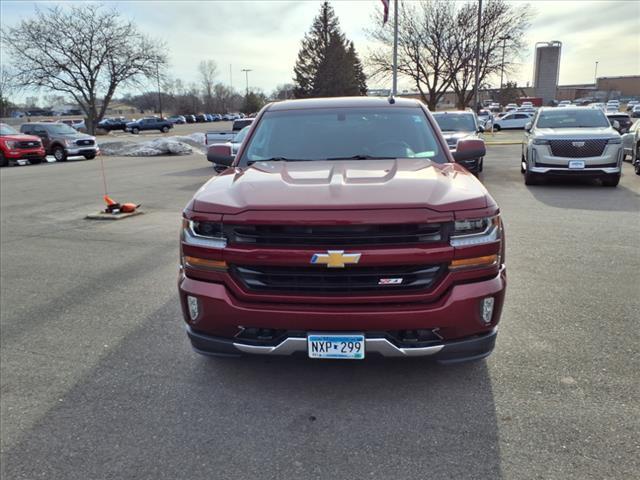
[193, 307]
[487, 309]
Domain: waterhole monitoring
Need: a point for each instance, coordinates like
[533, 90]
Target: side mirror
[480, 129]
[469, 149]
[528, 126]
[616, 125]
[220, 155]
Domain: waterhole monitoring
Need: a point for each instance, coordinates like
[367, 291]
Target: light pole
[595, 76]
[476, 92]
[246, 73]
[159, 94]
[504, 45]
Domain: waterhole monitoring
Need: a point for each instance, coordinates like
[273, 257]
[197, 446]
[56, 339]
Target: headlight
[10, 144]
[540, 141]
[615, 140]
[203, 234]
[69, 143]
[476, 231]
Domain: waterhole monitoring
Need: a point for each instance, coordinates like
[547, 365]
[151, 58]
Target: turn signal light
[205, 263]
[484, 261]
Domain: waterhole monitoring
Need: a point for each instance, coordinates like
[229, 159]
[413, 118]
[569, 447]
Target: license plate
[343, 346]
[576, 164]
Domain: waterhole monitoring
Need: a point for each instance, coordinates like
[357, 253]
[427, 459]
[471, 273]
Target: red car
[16, 146]
[343, 229]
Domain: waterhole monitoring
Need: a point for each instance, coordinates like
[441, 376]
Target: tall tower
[546, 70]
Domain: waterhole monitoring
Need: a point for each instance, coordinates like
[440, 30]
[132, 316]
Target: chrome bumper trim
[572, 170]
[381, 346]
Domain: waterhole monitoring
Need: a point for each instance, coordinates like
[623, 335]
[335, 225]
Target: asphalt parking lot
[98, 380]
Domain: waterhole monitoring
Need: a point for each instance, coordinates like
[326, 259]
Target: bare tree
[83, 51]
[424, 32]
[500, 22]
[208, 71]
[8, 87]
[436, 45]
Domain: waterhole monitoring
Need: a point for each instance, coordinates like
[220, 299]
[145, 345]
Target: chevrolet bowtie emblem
[335, 258]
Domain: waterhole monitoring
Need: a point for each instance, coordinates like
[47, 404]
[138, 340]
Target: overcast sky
[265, 35]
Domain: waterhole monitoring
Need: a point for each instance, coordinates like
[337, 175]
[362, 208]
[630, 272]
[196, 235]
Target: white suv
[571, 141]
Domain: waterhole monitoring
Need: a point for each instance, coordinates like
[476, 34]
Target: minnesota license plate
[342, 346]
[576, 164]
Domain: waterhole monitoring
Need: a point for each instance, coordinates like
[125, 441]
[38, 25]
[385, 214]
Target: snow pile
[178, 145]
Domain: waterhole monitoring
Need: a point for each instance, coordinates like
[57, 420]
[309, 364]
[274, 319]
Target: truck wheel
[496, 127]
[637, 167]
[135, 130]
[59, 154]
[523, 162]
[164, 129]
[480, 165]
[531, 178]
[610, 180]
[90, 156]
[3, 161]
[35, 161]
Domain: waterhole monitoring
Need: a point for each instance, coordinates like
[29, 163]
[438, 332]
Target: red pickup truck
[16, 146]
[343, 229]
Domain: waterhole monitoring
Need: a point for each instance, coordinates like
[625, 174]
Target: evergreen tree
[328, 64]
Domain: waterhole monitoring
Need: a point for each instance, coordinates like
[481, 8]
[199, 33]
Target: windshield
[585, 118]
[455, 122]
[7, 130]
[59, 129]
[343, 133]
[239, 138]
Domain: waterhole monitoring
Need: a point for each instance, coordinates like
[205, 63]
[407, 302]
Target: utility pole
[504, 45]
[394, 89]
[230, 77]
[477, 82]
[595, 76]
[159, 94]
[246, 73]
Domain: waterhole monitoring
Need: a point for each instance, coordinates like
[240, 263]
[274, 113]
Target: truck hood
[337, 185]
[575, 133]
[20, 137]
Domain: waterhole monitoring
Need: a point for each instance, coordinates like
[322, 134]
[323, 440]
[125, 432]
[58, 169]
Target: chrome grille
[577, 148]
[320, 279]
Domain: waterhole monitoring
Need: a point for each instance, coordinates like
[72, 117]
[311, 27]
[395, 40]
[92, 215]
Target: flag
[386, 11]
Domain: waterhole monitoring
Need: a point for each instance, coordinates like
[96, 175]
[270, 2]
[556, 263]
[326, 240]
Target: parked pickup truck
[222, 137]
[17, 146]
[152, 123]
[62, 141]
[343, 229]
[571, 141]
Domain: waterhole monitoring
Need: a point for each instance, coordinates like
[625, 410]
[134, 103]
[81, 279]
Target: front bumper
[37, 153]
[542, 161]
[455, 315]
[88, 150]
[467, 349]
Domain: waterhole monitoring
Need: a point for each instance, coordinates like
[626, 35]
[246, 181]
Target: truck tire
[523, 162]
[135, 130]
[164, 129]
[531, 178]
[90, 156]
[3, 161]
[59, 154]
[610, 180]
[496, 127]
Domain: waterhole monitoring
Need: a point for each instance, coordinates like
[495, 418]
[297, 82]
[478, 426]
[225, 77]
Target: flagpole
[394, 90]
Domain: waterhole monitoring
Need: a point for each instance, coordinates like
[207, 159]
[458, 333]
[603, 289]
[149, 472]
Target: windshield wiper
[276, 159]
[361, 157]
